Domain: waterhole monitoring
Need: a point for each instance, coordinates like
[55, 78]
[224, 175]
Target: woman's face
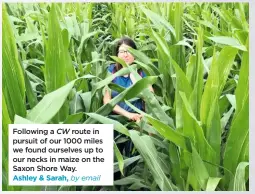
[125, 55]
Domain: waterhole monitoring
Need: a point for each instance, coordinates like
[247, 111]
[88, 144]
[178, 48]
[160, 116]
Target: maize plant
[194, 134]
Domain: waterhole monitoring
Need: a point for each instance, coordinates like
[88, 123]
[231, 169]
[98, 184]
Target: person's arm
[132, 77]
[117, 109]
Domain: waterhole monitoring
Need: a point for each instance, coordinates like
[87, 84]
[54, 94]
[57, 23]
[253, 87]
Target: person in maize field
[125, 81]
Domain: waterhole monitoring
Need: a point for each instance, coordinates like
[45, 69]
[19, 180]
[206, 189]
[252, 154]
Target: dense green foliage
[55, 59]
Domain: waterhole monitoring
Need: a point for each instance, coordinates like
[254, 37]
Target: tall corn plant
[123, 22]
[186, 117]
[13, 97]
[58, 65]
[13, 77]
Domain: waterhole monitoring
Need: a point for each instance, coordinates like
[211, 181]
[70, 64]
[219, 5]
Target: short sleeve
[111, 68]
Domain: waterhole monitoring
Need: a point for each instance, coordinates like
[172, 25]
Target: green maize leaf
[70, 71]
[115, 87]
[164, 65]
[15, 19]
[209, 25]
[152, 103]
[21, 120]
[197, 78]
[230, 86]
[57, 61]
[192, 180]
[175, 165]
[137, 186]
[5, 128]
[131, 22]
[212, 183]
[76, 104]
[228, 41]
[242, 90]
[119, 60]
[170, 134]
[225, 119]
[128, 93]
[128, 180]
[119, 158]
[51, 103]
[5, 121]
[155, 108]
[199, 169]
[85, 40]
[137, 88]
[144, 59]
[31, 96]
[121, 140]
[192, 130]
[31, 188]
[148, 71]
[51, 188]
[149, 153]
[148, 128]
[117, 126]
[242, 36]
[158, 20]
[86, 97]
[184, 43]
[220, 69]
[74, 118]
[214, 130]
[5, 186]
[161, 43]
[163, 160]
[65, 37]
[126, 162]
[241, 9]
[225, 62]
[239, 180]
[190, 72]
[183, 85]
[223, 104]
[178, 52]
[210, 93]
[13, 77]
[143, 126]
[244, 153]
[69, 24]
[108, 80]
[231, 19]
[236, 140]
[159, 143]
[135, 108]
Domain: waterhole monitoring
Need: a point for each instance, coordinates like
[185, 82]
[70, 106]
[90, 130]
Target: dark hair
[127, 41]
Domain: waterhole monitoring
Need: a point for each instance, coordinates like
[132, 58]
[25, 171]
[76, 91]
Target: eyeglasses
[123, 52]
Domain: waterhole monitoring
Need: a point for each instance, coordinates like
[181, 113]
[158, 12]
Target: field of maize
[196, 56]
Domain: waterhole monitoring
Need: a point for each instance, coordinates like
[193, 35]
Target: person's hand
[134, 117]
